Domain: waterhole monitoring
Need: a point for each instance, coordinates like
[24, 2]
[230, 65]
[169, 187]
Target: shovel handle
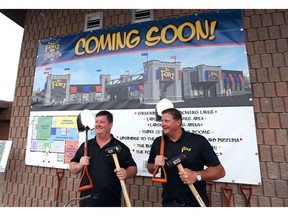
[228, 194]
[159, 179]
[193, 189]
[85, 171]
[247, 196]
[124, 190]
[60, 174]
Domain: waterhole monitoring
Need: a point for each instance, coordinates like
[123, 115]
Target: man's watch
[198, 177]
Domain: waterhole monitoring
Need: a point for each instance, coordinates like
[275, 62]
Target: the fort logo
[167, 74]
[59, 83]
[52, 52]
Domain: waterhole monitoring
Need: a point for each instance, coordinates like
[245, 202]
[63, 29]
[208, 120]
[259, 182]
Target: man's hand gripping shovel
[160, 106]
[85, 122]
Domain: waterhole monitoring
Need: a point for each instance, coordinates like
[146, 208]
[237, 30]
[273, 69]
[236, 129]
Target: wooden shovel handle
[193, 189]
[247, 196]
[124, 190]
[60, 174]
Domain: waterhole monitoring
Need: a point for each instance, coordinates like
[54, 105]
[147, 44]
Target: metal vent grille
[141, 15]
[93, 21]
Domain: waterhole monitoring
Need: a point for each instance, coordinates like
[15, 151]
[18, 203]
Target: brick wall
[266, 33]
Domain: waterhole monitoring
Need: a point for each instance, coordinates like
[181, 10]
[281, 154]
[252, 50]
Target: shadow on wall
[5, 116]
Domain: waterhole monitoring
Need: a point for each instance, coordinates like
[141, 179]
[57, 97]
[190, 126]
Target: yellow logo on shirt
[184, 148]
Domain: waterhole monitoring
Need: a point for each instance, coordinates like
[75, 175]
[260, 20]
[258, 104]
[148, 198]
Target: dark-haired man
[201, 163]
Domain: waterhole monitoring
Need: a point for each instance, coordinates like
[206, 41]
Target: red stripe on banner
[231, 79]
[173, 57]
[48, 68]
[241, 79]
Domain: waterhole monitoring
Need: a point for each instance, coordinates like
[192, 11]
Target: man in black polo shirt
[106, 191]
[201, 163]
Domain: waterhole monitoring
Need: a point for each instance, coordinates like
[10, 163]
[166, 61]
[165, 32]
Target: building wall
[266, 33]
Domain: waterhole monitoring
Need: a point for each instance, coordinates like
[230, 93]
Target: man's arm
[75, 167]
[159, 161]
[213, 173]
[131, 171]
[151, 167]
[122, 173]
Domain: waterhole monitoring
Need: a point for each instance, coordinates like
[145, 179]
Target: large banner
[197, 61]
[5, 147]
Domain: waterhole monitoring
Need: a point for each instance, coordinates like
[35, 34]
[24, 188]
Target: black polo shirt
[198, 152]
[106, 184]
